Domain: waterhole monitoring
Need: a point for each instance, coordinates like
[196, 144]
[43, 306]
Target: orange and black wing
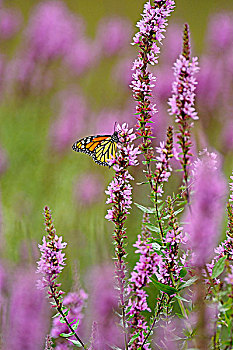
[99, 147]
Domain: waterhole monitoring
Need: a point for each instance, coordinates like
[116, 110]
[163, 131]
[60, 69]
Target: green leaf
[74, 325]
[62, 320]
[147, 210]
[157, 240]
[187, 283]
[56, 315]
[178, 211]
[164, 287]
[153, 228]
[183, 272]
[177, 296]
[219, 267]
[66, 312]
[75, 342]
[66, 335]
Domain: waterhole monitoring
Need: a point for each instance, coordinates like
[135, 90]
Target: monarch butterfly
[100, 147]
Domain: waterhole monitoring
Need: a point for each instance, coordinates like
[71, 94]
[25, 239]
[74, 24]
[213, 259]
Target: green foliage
[164, 287]
[219, 267]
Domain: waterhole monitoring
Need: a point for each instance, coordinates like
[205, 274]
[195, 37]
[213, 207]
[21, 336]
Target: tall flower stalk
[50, 265]
[120, 192]
[182, 102]
[150, 35]
[151, 28]
[148, 38]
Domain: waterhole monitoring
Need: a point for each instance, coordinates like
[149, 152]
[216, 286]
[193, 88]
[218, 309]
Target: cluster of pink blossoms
[120, 190]
[182, 100]
[52, 259]
[163, 169]
[161, 263]
[151, 28]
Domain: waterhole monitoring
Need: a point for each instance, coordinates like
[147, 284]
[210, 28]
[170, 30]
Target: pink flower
[10, 21]
[28, 314]
[103, 301]
[112, 35]
[70, 121]
[207, 209]
[52, 259]
[88, 189]
[81, 56]
[52, 30]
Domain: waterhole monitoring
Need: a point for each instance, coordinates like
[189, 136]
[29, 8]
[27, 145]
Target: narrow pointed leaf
[75, 342]
[164, 287]
[147, 210]
[219, 267]
[187, 283]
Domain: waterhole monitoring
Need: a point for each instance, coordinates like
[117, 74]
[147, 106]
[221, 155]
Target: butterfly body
[100, 147]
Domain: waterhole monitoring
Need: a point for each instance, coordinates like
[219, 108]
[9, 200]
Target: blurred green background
[37, 174]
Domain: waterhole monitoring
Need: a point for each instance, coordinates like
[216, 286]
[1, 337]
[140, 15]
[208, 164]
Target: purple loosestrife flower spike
[120, 192]
[207, 209]
[182, 102]
[50, 265]
[52, 259]
[151, 28]
[143, 270]
[166, 266]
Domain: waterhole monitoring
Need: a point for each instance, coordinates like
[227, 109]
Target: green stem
[64, 317]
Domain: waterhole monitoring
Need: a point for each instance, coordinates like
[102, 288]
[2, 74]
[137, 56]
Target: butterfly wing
[99, 147]
[105, 151]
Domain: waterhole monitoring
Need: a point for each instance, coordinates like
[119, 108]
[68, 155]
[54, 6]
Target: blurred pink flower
[88, 189]
[104, 304]
[105, 120]
[122, 72]
[113, 34]
[75, 302]
[210, 83]
[10, 21]
[23, 74]
[70, 122]
[172, 44]
[28, 314]
[81, 56]
[220, 31]
[52, 30]
[207, 208]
